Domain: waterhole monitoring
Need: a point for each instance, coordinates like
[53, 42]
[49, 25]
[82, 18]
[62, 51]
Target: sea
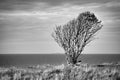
[21, 60]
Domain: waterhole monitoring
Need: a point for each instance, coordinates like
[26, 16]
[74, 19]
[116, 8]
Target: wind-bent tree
[76, 34]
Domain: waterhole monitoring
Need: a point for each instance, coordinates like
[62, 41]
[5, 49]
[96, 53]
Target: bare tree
[76, 34]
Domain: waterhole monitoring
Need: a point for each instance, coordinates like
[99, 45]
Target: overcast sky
[26, 25]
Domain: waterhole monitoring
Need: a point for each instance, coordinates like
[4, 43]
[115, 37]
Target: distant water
[35, 59]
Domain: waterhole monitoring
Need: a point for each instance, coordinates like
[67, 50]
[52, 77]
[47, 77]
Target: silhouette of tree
[76, 34]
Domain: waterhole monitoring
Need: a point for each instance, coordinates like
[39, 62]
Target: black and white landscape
[59, 40]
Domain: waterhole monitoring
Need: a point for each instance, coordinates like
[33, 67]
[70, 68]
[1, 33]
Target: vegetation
[62, 72]
[73, 37]
[76, 34]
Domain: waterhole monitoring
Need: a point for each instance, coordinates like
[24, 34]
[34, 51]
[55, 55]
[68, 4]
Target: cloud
[30, 22]
[11, 5]
[57, 14]
[113, 8]
[112, 19]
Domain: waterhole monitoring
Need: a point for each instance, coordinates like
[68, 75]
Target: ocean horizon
[7, 60]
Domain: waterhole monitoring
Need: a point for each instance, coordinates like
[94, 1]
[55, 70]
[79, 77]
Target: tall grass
[62, 72]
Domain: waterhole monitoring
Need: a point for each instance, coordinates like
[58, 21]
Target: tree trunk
[71, 60]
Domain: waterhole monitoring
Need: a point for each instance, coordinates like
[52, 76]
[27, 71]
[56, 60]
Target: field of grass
[62, 72]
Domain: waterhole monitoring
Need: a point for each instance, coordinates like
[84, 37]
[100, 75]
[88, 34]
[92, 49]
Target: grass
[62, 72]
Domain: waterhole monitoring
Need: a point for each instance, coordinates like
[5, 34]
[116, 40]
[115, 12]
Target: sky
[26, 25]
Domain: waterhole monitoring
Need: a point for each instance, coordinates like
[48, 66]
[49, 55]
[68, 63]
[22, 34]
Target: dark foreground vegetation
[62, 72]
